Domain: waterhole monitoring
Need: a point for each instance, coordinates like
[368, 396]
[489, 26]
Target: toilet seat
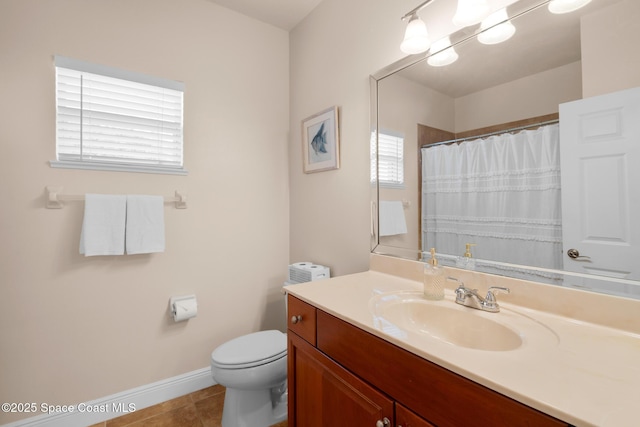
[250, 350]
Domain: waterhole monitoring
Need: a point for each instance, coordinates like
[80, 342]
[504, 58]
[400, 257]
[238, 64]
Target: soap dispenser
[467, 261]
[433, 279]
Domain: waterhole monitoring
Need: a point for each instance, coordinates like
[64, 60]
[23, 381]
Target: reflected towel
[145, 224]
[392, 220]
[103, 226]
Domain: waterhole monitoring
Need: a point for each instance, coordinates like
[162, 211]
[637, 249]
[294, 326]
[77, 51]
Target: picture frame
[320, 141]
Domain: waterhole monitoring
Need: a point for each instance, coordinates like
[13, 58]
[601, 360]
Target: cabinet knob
[383, 422]
[296, 319]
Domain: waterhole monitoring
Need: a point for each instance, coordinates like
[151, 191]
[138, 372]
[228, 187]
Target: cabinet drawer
[302, 319]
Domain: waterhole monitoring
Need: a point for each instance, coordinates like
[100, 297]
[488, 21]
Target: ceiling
[285, 14]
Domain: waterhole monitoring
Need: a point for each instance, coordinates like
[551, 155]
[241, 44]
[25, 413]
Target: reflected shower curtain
[501, 193]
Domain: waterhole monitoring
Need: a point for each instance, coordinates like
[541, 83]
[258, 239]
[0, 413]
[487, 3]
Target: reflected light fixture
[444, 53]
[566, 6]
[497, 28]
[416, 37]
[470, 12]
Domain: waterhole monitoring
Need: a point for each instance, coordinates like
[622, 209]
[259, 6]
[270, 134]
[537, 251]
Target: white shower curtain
[501, 193]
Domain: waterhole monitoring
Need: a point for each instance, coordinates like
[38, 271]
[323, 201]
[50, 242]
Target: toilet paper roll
[185, 309]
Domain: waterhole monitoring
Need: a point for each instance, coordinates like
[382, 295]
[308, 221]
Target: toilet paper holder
[183, 307]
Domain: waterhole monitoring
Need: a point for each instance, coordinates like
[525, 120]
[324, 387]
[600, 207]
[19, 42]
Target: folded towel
[392, 220]
[103, 225]
[145, 224]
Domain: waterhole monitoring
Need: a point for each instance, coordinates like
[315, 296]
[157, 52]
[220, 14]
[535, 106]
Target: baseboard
[122, 403]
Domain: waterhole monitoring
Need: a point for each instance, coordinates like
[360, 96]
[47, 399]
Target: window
[110, 119]
[390, 157]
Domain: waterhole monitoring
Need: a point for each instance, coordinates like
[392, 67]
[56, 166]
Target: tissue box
[301, 272]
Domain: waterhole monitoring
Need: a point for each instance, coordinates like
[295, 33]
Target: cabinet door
[322, 393]
[406, 418]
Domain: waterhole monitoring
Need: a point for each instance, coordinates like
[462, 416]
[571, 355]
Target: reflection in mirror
[472, 152]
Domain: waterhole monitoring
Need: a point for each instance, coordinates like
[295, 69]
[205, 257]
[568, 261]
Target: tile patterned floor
[201, 408]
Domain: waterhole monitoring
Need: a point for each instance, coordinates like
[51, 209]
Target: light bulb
[444, 53]
[416, 38]
[566, 6]
[496, 28]
[470, 12]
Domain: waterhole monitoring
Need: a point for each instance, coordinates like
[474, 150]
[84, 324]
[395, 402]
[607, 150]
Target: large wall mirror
[524, 154]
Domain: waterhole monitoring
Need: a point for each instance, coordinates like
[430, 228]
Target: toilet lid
[250, 350]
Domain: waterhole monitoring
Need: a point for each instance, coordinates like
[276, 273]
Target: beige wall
[610, 40]
[542, 93]
[75, 328]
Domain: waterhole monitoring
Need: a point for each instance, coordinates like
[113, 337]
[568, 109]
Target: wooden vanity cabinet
[341, 375]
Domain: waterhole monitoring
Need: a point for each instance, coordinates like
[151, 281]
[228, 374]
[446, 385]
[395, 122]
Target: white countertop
[586, 375]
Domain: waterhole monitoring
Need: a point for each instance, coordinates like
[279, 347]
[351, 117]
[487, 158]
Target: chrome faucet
[471, 298]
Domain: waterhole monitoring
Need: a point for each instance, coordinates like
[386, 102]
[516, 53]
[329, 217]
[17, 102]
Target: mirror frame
[417, 254]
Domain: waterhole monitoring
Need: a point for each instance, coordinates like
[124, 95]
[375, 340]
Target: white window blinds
[390, 158]
[117, 120]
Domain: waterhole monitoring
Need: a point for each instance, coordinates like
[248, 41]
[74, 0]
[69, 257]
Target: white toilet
[253, 368]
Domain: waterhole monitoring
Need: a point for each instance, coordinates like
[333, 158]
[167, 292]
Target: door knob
[296, 319]
[383, 422]
[575, 254]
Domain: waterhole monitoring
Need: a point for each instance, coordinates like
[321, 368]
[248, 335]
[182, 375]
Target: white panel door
[600, 163]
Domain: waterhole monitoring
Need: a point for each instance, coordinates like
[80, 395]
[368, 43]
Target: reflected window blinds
[389, 152]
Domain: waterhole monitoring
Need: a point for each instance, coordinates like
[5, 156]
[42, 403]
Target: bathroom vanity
[330, 372]
[351, 362]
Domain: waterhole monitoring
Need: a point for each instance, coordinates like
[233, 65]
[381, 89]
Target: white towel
[145, 224]
[103, 225]
[392, 220]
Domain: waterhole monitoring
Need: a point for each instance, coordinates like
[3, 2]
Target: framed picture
[320, 141]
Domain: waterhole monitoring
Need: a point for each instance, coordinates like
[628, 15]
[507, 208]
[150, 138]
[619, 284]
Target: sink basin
[409, 315]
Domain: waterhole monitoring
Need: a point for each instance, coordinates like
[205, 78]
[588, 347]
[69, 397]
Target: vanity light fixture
[566, 6]
[470, 12]
[416, 37]
[497, 28]
[444, 53]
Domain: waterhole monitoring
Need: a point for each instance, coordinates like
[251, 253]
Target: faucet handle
[490, 301]
[461, 291]
[491, 293]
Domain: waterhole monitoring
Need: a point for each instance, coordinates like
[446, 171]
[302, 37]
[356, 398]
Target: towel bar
[55, 200]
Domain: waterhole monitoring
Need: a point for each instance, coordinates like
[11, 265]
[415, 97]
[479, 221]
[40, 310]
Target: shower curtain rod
[498, 132]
